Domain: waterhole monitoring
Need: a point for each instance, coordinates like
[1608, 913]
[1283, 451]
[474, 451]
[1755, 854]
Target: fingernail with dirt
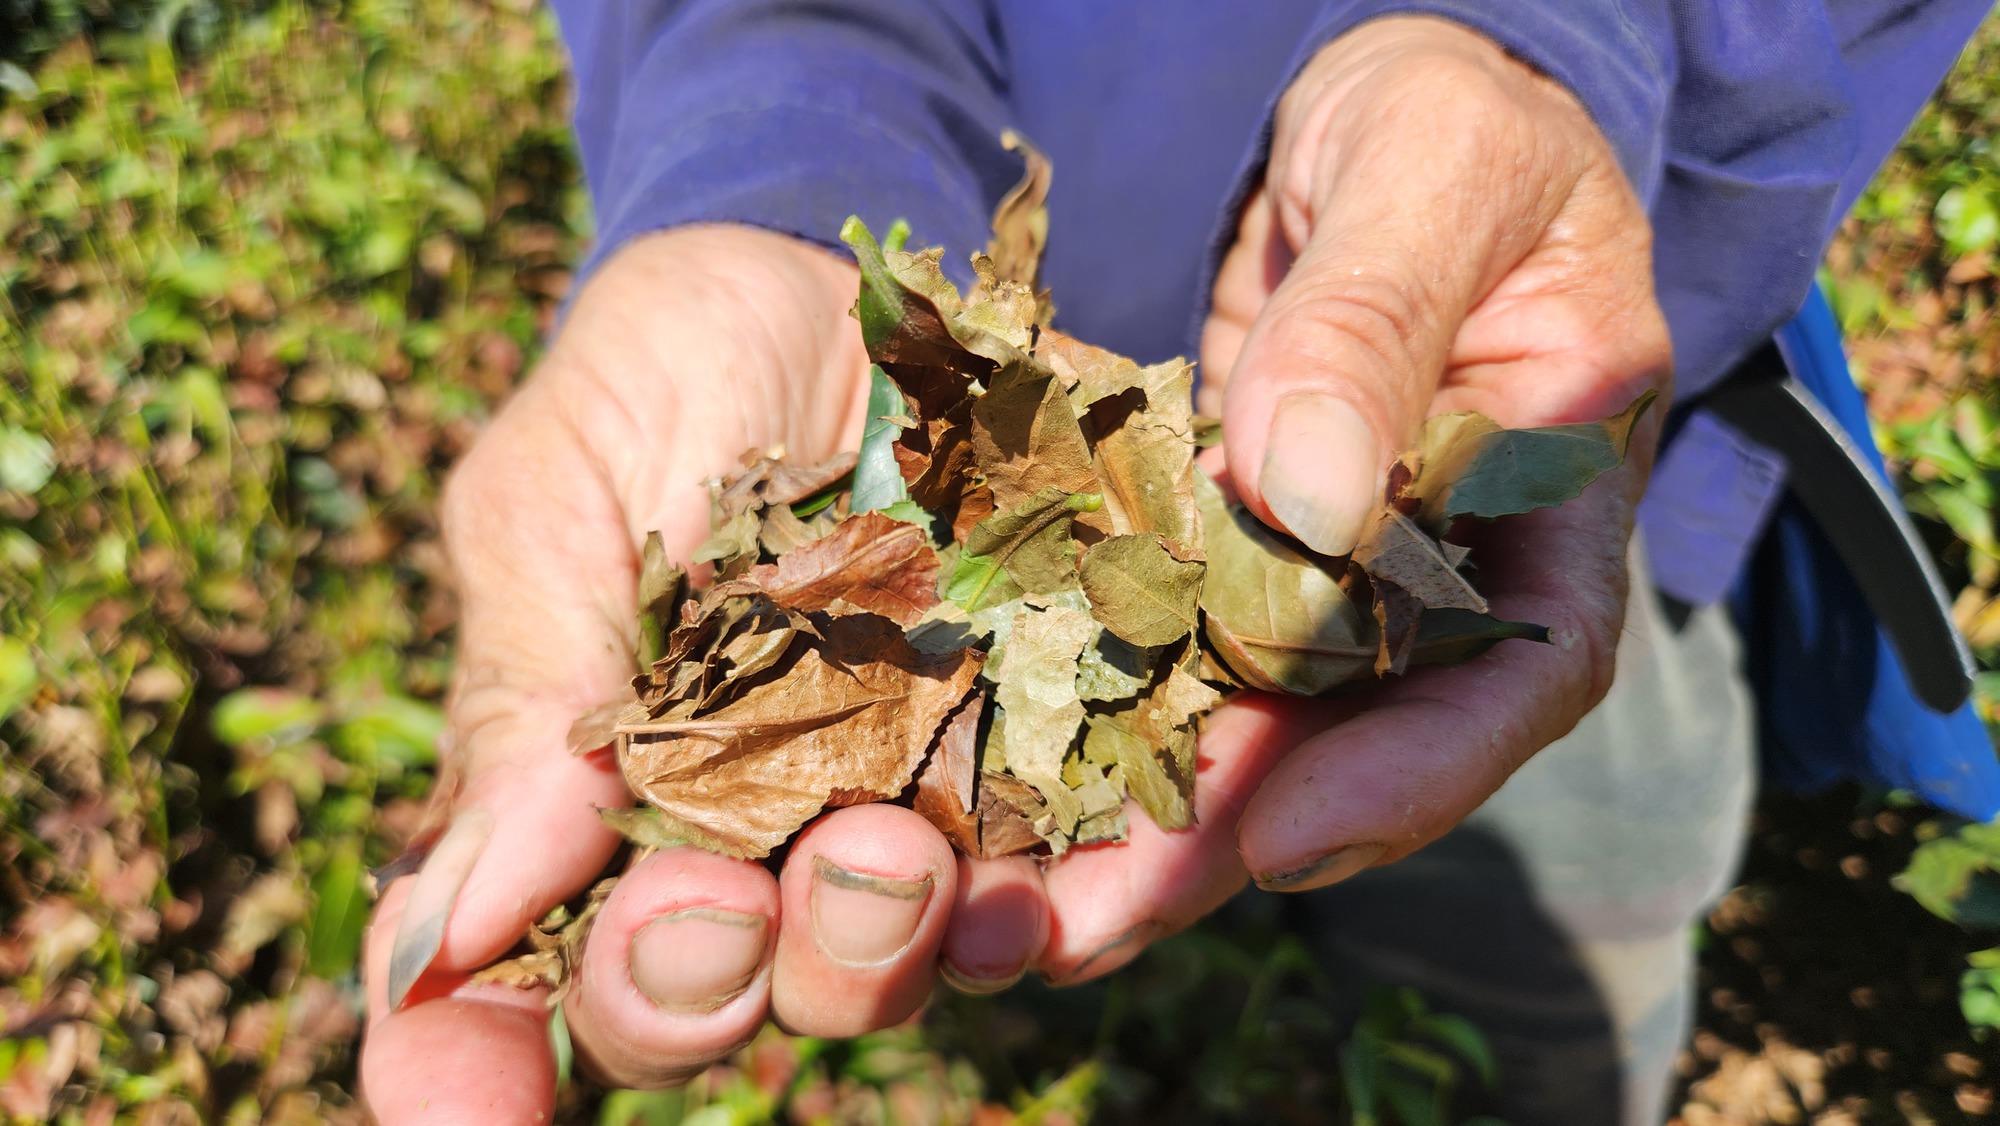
[862, 920]
[428, 909]
[698, 960]
[1322, 472]
[1330, 869]
[1110, 955]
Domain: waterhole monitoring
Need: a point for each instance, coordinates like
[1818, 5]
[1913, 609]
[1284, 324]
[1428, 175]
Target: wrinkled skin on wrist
[1440, 230]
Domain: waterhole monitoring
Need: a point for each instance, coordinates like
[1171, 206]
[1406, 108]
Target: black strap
[1860, 515]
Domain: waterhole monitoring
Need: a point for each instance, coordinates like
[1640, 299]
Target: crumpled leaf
[555, 948]
[1028, 548]
[1112, 668]
[1037, 690]
[1276, 619]
[868, 562]
[662, 585]
[1153, 745]
[848, 723]
[1395, 550]
[965, 803]
[598, 727]
[1024, 440]
[1470, 466]
[650, 827]
[1143, 425]
[1398, 616]
[767, 478]
[1140, 591]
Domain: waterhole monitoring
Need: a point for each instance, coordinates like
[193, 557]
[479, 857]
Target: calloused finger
[459, 1053]
[1109, 901]
[867, 891]
[675, 973]
[999, 924]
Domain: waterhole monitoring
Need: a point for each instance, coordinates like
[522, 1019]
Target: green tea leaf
[339, 915]
[1140, 591]
[18, 676]
[878, 480]
[27, 460]
[880, 305]
[1472, 467]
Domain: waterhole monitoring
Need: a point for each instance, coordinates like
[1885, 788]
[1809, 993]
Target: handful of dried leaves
[1012, 607]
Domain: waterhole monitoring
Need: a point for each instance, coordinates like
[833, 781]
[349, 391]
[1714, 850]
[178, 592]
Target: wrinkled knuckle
[1356, 320]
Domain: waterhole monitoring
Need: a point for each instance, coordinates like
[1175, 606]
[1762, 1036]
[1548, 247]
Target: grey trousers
[1558, 916]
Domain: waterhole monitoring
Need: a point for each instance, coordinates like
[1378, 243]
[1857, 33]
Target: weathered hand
[1441, 229]
[685, 350]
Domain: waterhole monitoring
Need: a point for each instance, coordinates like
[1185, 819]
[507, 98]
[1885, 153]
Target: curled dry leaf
[868, 562]
[1279, 620]
[848, 722]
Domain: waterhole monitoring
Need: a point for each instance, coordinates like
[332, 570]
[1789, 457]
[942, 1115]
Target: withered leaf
[869, 562]
[1112, 669]
[1452, 637]
[1008, 810]
[732, 544]
[1024, 440]
[1021, 219]
[662, 585]
[555, 949]
[1395, 550]
[1275, 618]
[781, 530]
[947, 786]
[1141, 424]
[1028, 548]
[1140, 765]
[935, 458]
[768, 479]
[1103, 817]
[649, 827]
[1472, 467]
[1037, 690]
[1140, 591]
[598, 727]
[848, 722]
[1398, 615]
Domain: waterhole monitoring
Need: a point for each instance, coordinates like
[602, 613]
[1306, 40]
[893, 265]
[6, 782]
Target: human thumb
[1333, 378]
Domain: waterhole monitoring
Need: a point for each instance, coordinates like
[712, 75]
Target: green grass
[264, 271]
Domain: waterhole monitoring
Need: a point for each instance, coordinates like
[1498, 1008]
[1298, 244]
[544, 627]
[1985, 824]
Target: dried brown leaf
[869, 562]
[848, 721]
[1278, 620]
[1395, 550]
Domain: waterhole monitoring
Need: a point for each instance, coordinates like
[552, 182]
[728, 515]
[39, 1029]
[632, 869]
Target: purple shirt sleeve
[789, 116]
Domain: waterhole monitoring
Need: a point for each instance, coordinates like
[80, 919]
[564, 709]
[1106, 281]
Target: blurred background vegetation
[265, 269]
